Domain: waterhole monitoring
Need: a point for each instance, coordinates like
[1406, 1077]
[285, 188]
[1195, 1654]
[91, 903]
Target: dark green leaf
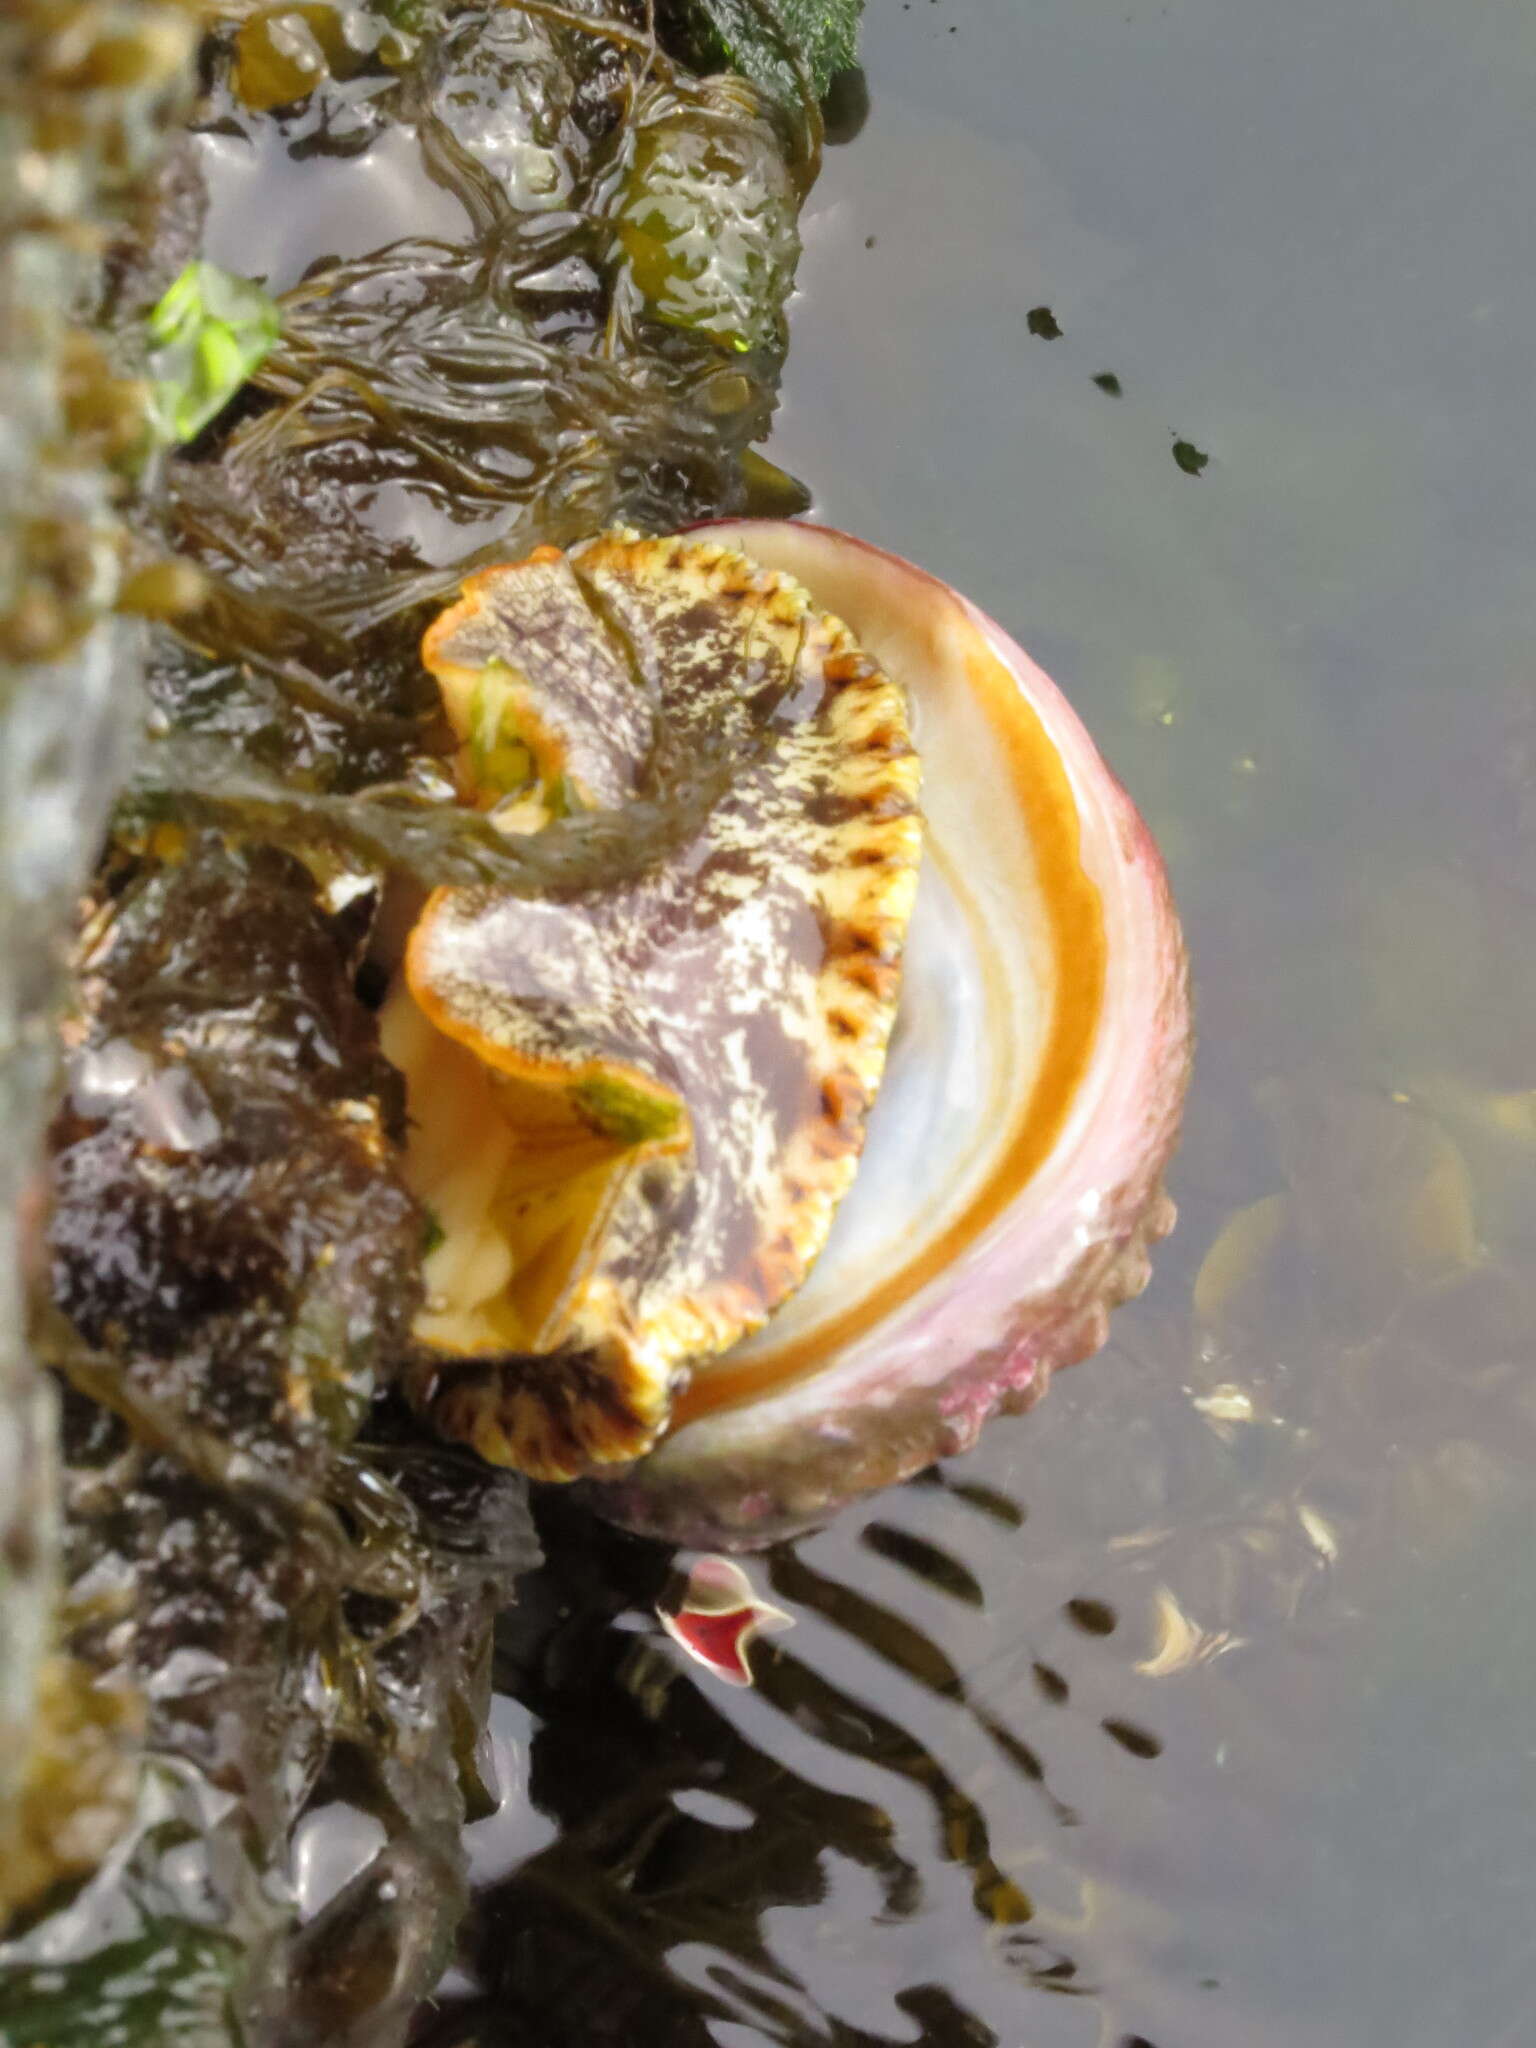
[168, 1988]
[763, 38]
[208, 334]
[1189, 458]
[1043, 322]
[827, 32]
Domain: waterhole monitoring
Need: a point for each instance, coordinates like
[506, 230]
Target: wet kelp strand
[276, 1596]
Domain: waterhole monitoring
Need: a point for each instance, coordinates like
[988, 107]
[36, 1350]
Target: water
[1192, 1710]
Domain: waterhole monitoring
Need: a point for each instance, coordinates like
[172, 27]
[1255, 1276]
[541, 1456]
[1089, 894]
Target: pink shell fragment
[719, 1617]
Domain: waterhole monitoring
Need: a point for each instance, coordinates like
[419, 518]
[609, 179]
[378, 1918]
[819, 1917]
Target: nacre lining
[971, 1262]
[1002, 992]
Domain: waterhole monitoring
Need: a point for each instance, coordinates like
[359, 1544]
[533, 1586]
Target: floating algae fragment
[172, 1986]
[208, 334]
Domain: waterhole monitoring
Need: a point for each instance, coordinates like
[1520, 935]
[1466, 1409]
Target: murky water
[1195, 1709]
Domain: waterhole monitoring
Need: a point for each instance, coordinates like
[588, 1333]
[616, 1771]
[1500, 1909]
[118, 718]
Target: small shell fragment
[719, 1617]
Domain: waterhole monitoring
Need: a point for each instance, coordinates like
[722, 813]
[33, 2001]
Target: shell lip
[969, 1342]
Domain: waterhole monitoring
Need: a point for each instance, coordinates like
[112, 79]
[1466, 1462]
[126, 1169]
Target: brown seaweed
[233, 1253]
[84, 101]
[295, 1590]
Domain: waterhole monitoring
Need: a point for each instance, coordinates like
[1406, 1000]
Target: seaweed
[277, 1595]
[295, 1652]
[408, 829]
[789, 47]
[84, 100]
[226, 1218]
[291, 1590]
[514, 386]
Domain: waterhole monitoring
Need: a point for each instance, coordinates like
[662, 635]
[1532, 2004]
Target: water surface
[1193, 1710]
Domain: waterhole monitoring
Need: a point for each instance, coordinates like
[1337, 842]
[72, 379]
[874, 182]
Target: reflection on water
[1194, 1709]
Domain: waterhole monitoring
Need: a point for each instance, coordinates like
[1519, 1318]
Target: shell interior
[1011, 1183]
[1002, 989]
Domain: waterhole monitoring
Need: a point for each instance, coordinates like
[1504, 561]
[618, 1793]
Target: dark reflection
[942, 2020]
[1191, 460]
[926, 1559]
[1135, 1741]
[1093, 1617]
[682, 1839]
[989, 1500]
[895, 1638]
[1051, 1684]
[846, 1722]
[901, 1643]
[846, 106]
[574, 1945]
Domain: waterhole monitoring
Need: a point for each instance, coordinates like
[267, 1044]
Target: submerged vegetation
[276, 1596]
